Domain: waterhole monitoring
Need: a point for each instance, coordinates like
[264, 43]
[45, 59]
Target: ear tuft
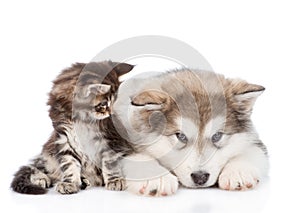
[122, 68]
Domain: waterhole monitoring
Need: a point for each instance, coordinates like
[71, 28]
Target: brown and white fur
[191, 127]
[82, 150]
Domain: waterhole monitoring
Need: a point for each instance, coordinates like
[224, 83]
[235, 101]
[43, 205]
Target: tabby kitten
[84, 148]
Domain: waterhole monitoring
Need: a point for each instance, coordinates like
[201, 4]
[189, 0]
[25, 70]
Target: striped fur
[84, 147]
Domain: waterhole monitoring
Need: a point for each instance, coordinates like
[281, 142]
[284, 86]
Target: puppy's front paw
[67, 188]
[162, 186]
[116, 184]
[238, 178]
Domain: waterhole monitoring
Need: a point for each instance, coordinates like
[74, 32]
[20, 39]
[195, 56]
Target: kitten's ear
[245, 95]
[151, 100]
[96, 89]
[122, 68]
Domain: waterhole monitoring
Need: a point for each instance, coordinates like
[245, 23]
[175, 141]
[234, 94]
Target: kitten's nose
[200, 177]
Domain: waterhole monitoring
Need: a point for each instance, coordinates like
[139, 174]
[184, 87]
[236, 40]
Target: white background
[256, 40]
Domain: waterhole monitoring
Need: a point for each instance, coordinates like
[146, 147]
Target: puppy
[190, 127]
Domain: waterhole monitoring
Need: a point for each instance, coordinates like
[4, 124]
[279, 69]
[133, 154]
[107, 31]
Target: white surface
[98, 200]
[255, 40]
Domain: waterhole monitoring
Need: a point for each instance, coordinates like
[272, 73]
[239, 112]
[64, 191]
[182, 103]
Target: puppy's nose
[200, 177]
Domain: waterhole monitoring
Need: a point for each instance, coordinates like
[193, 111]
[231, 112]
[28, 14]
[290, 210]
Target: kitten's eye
[103, 103]
[217, 137]
[101, 107]
[181, 137]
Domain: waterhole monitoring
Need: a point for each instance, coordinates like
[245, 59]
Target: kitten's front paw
[238, 178]
[67, 188]
[162, 186]
[85, 183]
[41, 180]
[116, 184]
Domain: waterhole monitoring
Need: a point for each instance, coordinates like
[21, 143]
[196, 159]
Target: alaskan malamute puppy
[190, 127]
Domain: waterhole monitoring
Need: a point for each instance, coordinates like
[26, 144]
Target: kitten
[84, 147]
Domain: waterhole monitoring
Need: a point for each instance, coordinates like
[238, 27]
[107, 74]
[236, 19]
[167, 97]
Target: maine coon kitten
[84, 147]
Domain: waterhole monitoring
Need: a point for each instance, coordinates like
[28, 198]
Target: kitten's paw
[117, 184]
[162, 186]
[67, 188]
[238, 178]
[85, 183]
[41, 180]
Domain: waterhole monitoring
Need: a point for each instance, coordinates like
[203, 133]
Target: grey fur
[66, 160]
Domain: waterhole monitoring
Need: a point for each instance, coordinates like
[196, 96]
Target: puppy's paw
[238, 177]
[117, 184]
[67, 188]
[162, 186]
[41, 180]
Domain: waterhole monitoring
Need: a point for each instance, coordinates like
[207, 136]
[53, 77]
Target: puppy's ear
[151, 100]
[245, 95]
[122, 68]
[96, 89]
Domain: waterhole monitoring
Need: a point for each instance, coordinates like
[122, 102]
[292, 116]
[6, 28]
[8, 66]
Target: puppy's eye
[217, 137]
[181, 137]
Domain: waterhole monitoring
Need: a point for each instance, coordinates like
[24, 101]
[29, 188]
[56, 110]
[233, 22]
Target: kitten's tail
[22, 183]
